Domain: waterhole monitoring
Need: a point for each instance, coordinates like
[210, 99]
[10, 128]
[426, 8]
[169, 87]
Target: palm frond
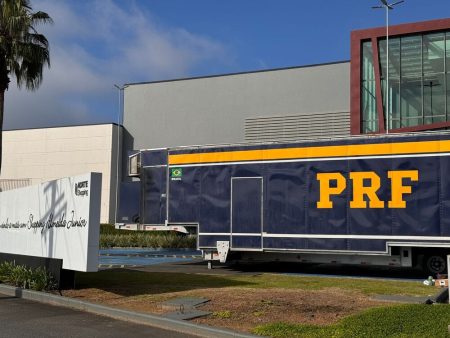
[24, 51]
[40, 18]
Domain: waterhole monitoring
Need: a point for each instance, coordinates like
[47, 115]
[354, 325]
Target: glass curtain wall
[434, 86]
[368, 94]
[419, 79]
[447, 70]
[394, 79]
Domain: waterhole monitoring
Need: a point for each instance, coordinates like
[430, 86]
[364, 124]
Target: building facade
[32, 156]
[275, 105]
[283, 105]
[417, 78]
[279, 105]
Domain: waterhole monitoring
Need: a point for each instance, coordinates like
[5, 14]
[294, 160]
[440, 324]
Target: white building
[32, 156]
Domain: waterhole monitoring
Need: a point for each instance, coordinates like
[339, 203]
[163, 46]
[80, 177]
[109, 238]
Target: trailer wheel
[435, 264]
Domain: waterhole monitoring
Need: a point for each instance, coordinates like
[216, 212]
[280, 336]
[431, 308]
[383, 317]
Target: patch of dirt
[245, 309]
[143, 303]
[242, 309]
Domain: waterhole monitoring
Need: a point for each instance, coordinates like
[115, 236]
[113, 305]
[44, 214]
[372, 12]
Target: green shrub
[109, 229]
[38, 279]
[21, 276]
[6, 271]
[142, 239]
[112, 237]
[42, 280]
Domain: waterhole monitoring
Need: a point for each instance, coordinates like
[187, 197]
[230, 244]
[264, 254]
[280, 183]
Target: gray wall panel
[215, 110]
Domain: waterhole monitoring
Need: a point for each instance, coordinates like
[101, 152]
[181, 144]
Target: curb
[151, 256]
[136, 317]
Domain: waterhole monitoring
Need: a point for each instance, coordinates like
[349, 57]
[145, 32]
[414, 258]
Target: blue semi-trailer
[381, 200]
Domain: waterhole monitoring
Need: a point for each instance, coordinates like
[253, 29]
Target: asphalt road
[23, 318]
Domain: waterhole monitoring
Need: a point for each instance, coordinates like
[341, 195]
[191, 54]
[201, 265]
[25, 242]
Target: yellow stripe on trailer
[398, 148]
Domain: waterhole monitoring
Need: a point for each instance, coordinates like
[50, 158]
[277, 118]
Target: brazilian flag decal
[176, 172]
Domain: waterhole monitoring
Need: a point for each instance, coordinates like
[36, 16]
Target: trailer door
[246, 213]
[154, 186]
[154, 196]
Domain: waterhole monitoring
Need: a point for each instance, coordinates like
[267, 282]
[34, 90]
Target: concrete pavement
[186, 328]
[23, 318]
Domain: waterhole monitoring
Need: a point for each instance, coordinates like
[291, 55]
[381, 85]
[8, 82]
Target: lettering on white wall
[58, 219]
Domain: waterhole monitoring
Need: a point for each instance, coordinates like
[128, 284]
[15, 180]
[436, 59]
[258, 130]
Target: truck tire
[434, 264]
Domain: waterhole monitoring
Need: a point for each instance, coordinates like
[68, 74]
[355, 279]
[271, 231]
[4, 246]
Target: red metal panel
[433, 126]
[408, 28]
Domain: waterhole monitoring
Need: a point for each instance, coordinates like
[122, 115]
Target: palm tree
[23, 51]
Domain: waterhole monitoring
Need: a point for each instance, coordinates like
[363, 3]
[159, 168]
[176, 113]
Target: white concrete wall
[50, 153]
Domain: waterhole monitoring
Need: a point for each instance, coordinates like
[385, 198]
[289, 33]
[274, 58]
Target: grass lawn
[148, 282]
[143, 291]
[395, 321]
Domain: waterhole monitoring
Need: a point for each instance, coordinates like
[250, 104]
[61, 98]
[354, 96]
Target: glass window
[411, 98]
[434, 98]
[368, 71]
[447, 47]
[394, 78]
[447, 83]
[411, 122]
[394, 98]
[419, 81]
[433, 53]
[395, 123]
[369, 100]
[394, 57]
[448, 95]
[368, 93]
[370, 127]
[411, 56]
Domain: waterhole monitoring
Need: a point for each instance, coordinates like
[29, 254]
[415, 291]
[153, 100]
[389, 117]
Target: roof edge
[405, 26]
[68, 126]
[237, 73]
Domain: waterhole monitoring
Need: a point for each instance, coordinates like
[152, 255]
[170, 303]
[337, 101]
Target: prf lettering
[332, 184]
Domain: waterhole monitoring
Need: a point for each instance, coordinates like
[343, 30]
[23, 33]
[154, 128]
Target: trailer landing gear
[220, 255]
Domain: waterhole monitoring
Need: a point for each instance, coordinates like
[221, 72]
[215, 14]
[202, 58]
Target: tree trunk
[4, 83]
[2, 106]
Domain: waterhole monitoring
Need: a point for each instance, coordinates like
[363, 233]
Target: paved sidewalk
[23, 318]
[185, 328]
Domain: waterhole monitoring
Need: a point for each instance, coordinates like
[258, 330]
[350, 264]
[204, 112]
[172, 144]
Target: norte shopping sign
[57, 219]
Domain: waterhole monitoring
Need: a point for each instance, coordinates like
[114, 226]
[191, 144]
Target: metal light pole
[119, 119]
[387, 7]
